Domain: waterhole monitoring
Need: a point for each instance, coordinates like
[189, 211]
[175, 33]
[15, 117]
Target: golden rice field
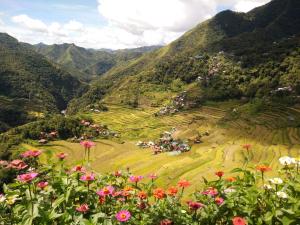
[271, 134]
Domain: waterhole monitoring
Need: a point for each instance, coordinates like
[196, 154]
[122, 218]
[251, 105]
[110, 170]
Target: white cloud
[247, 5]
[74, 25]
[30, 23]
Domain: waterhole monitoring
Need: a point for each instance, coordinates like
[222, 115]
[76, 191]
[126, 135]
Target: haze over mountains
[231, 56]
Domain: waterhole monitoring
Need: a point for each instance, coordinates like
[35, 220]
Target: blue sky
[109, 23]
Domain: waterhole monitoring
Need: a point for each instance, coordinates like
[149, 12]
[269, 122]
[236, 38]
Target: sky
[113, 24]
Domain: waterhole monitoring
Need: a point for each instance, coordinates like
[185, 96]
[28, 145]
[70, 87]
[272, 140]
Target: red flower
[239, 221]
[142, 195]
[159, 193]
[219, 173]
[263, 168]
[172, 191]
[247, 146]
[195, 205]
[83, 208]
[184, 183]
[166, 222]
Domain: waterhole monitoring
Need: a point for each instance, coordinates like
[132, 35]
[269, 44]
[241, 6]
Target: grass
[221, 150]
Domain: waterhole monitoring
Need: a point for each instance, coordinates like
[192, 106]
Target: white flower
[267, 187]
[281, 194]
[276, 181]
[2, 198]
[286, 160]
[229, 190]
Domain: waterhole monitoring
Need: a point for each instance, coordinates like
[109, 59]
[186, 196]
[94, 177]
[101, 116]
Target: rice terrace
[150, 112]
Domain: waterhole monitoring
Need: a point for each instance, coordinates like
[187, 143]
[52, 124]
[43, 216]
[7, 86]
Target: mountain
[232, 55]
[30, 84]
[88, 64]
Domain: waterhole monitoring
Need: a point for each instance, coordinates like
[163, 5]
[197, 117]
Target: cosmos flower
[123, 216]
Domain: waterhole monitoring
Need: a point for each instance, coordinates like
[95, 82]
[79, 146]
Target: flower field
[54, 193]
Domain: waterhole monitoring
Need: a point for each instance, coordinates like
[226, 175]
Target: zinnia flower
[42, 184]
[286, 160]
[153, 176]
[31, 153]
[210, 191]
[123, 216]
[219, 200]
[247, 146]
[281, 194]
[61, 155]
[263, 168]
[195, 205]
[231, 179]
[219, 174]
[239, 221]
[78, 168]
[142, 195]
[159, 193]
[172, 191]
[166, 222]
[276, 181]
[87, 177]
[27, 177]
[118, 173]
[87, 144]
[183, 183]
[106, 191]
[17, 164]
[135, 179]
[83, 208]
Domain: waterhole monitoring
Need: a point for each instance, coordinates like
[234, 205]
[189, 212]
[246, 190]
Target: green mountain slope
[88, 64]
[232, 55]
[30, 83]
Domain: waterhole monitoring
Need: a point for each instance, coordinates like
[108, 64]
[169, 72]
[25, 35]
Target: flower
[286, 160]
[183, 183]
[159, 193]
[247, 146]
[210, 191]
[281, 194]
[12, 199]
[118, 173]
[31, 153]
[267, 187]
[219, 174]
[172, 191]
[219, 200]
[166, 222]
[141, 205]
[231, 179]
[229, 190]
[239, 221]
[106, 191]
[123, 216]
[61, 155]
[3, 163]
[83, 208]
[135, 179]
[276, 181]
[87, 144]
[17, 164]
[195, 205]
[142, 195]
[2, 198]
[27, 177]
[87, 177]
[263, 168]
[153, 176]
[42, 184]
[78, 168]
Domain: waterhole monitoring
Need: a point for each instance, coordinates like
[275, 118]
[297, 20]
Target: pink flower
[87, 144]
[78, 168]
[210, 191]
[153, 176]
[87, 177]
[118, 173]
[31, 153]
[219, 200]
[195, 205]
[27, 177]
[17, 164]
[135, 179]
[83, 208]
[123, 216]
[106, 191]
[61, 155]
[42, 184]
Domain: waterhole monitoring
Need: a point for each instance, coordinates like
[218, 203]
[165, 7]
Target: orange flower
[231, 179]
[172, 191]
[219, 173]
[142, 195]
[183, 183]
[159, 193]
[102, 200]
[247, 146]
[263, 168]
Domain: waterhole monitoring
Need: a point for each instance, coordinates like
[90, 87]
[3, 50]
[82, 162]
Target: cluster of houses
[166, 144]
[178, 103]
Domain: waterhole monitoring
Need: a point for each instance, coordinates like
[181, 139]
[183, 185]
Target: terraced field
[272, 134]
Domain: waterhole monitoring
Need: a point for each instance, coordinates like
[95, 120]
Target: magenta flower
[195, 205]
[123, 216]
[31, 153]
[109, 190]
[42, 184]
[27, 177]
[83, 208]
[87, 144]
[219, 200]
[210, 191]
[78, 168]
[87, 177]
[135, 179]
